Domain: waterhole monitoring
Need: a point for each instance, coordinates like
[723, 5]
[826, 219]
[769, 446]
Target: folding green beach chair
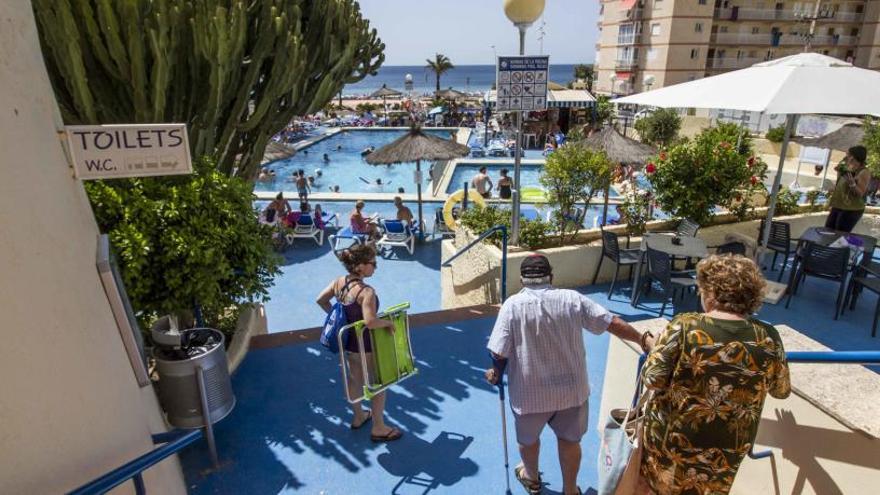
[392, 356]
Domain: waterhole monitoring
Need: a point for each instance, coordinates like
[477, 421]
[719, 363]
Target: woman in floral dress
[710, 373]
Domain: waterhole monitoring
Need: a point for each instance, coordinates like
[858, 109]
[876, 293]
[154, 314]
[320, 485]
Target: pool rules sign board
[128, 150]
[521, 83]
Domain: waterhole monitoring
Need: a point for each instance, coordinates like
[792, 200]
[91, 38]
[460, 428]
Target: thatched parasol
[450, 94]
[383, 93]
[619, 149]
[416, 146]
[842, 139]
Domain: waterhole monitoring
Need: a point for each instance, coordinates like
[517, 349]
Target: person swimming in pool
[326, 158]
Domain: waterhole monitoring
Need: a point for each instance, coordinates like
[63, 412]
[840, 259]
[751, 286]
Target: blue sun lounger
[398, 234]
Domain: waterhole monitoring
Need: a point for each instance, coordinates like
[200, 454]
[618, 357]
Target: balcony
[626, 64]
[742, 39]
[729, 63]
[629, 38]
[634, 14]
[734, 14]
[834, 40]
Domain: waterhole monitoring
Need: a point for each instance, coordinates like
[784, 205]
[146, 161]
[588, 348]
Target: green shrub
[573, 175]
[635, 210]
[533, 234]
[185, 240]
[692, 178]
[813, 198]
[776, 134]
[731, 132]
[786, 202]
[660, 128]
[603, 112]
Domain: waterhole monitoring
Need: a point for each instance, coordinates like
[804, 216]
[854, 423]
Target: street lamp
[522, 13]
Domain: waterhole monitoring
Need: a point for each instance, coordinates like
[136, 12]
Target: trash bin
[178, 355]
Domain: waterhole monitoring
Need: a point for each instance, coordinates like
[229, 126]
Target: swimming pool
[347, 168]
[530, 175]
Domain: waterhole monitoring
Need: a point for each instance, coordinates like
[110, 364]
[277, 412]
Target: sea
[467, 78]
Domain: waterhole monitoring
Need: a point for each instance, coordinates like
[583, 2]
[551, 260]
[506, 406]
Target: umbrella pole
[419, 192]
[385, 108]
[605, 206]
[789, 128]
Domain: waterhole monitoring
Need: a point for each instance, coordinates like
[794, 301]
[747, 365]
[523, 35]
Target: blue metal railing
[814, 357]
[480, 238]
[174, 441]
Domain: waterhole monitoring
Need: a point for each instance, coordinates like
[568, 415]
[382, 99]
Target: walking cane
[504, 432]
[499, 364]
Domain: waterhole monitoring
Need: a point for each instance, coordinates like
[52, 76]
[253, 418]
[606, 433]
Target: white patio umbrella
[807, 83]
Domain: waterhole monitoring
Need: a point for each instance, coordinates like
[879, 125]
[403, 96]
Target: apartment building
[648, 44]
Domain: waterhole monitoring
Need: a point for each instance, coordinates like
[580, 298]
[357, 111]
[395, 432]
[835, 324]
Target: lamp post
[522, 13]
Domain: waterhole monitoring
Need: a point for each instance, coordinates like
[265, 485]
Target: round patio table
[690, 247]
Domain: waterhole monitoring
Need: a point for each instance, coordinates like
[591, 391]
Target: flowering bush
[692, 178]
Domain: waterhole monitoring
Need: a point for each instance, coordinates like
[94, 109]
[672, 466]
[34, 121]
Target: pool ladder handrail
[480, 238]
[804, 357]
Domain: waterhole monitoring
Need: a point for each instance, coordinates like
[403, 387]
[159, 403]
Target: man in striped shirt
[538, 336]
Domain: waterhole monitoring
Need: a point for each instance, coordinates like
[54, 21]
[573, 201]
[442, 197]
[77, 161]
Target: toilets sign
[128, 150]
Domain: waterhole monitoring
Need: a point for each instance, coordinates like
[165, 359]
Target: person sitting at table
[360, 224]
[848, 199]
[404, 214]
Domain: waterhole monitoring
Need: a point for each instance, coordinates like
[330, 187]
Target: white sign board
[128, 150]
[521, 83]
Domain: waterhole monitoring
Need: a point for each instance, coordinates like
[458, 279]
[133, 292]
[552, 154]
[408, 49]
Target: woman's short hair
[359, 205]
[357, 255]
[734, 282]
[279, 195]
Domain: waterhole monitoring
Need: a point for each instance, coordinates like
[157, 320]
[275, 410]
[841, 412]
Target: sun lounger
[348, 234]
[398, 233]
[305, 228]
[392, 356]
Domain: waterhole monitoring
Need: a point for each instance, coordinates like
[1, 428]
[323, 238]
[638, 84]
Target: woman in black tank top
[360, 302]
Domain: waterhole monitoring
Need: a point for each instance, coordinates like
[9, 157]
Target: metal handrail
[812, 357]
[176, 441]
[480, 238]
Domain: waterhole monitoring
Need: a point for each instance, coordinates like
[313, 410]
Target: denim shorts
[568, 424]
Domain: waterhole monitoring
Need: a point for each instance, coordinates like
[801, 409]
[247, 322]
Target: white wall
[70, 408]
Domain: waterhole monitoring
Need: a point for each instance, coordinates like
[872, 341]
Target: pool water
[346, 167]
[529, 176]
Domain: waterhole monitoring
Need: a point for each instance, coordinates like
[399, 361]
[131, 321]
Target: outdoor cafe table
[825, 237]
[690, 247]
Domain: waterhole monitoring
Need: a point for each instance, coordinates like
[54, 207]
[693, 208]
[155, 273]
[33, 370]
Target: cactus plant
[235, 72]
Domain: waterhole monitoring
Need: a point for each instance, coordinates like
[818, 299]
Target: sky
[465, 30]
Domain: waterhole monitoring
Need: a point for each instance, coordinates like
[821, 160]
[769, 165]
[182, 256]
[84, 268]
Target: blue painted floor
[309, 268]
[289, 432]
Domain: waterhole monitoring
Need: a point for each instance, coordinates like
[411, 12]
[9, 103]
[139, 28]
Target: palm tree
[439, 65]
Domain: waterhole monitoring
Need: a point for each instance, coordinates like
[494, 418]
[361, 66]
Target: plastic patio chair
[397, 233]
[779, 242]
[735, 247]
[820, 262]
[660, 271]
[611, 249]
